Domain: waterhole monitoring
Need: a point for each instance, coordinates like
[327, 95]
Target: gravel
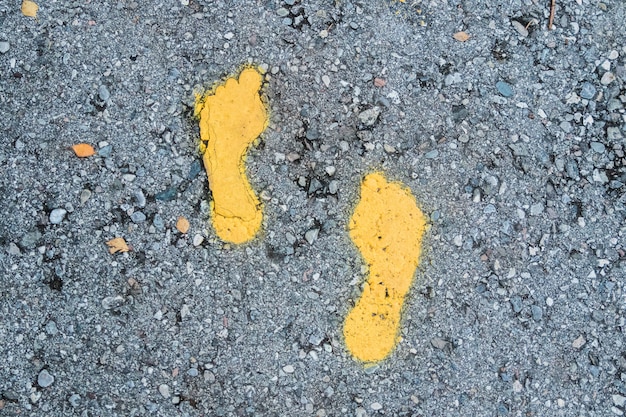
[44, 379]
[512, 142]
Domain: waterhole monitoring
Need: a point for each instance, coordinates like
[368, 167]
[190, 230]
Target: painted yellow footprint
[387, 227]
[231, 119]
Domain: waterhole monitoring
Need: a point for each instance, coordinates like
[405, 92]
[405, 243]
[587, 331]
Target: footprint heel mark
[387, 227]
[231, 119]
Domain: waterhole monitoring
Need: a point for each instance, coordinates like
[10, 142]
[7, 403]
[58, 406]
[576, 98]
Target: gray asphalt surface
[512, 142]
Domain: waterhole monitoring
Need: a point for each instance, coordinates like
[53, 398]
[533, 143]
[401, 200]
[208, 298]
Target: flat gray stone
[505, 89]
[368, 117]
[45, 379]
[588, 91]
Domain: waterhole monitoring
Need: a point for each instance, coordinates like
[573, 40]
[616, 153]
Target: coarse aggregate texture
[519, 306]
[387, 227]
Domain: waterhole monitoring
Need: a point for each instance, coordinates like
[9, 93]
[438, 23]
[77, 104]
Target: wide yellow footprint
[387, 227]
[231, 119]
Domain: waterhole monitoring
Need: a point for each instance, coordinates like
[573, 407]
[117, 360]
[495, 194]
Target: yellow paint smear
[387, 227]
[231, 119]
[29, 8]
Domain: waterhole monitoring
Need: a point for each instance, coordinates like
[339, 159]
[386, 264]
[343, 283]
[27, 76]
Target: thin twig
[551, 20]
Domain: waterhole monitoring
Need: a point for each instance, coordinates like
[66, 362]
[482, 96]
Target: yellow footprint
[387, 227]
[231, 119]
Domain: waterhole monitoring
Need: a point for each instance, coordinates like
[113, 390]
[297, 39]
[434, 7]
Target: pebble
[571, 167]
[105, 151]
[288, 369]
[536, 312]
[14, 249]
[74, 400]
[505, 89]
[312, 134]
[549, 302]
[579, 342]
[138, 217]
[4, 47]
[432, 154]
[438, 343]
[489, 208]
[282, 12]
[311, 235]
[516, 303]
[44, 379]
[164, 389]
[536, 209]
[619, 400]
[166, 195]
[192, 372]
[376, 406]
[194, 169]
[57, 215]
[368, 117]
[597, 146]
[333, 187]
[587, 91]
[607, 78]
[84, 196]
[198, 239]
[158, 222]
[613, 133]
[30, 239]
[614, 104]
[51, 328]
[103, 93]
[140, 198]
[229, 35]
[326, 80]
[109, 303]
[521, 29]
[209, 377]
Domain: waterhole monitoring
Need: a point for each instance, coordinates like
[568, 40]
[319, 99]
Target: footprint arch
[387, 227]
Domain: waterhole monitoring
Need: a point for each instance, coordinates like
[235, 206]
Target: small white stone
[323, 34]
[229, 35]
[560, 402]
[458, 240]
[579, 342]
[164, 390]
[607, 78]
[45, 379]
[197, 240]
[613, 54]
[619, 400]
[517, 386]
[326, 80]
[57, 215]
[288, 369]
[184, 311]
[549, 302]
[376, 406]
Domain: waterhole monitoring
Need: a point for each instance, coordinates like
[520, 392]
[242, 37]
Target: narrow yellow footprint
[387, 227]
[231, 119]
